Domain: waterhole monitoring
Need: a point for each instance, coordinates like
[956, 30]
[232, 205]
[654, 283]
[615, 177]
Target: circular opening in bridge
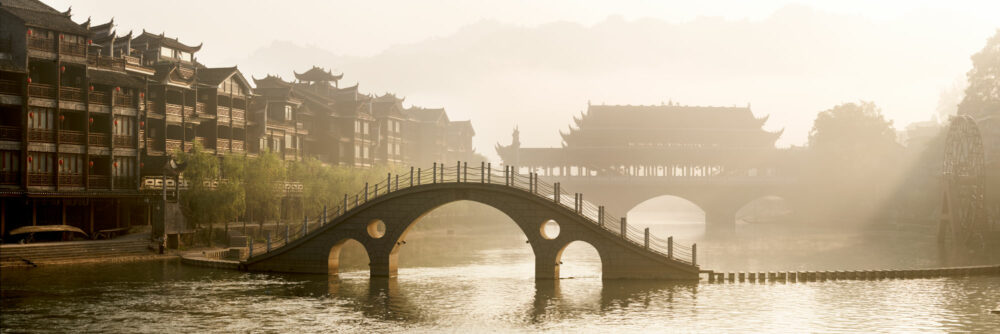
[376, 229]
[549, 229]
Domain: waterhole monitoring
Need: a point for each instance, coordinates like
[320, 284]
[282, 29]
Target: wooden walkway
[856, 275]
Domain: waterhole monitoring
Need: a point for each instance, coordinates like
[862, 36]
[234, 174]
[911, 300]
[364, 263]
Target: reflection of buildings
[87, 116]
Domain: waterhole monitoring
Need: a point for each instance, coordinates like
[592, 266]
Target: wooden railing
[189, 111]
[42, 44]
[10, 133]
[174, 109]
[222, 112]
[173, 145]
[99, 98]
[201, 140]
[106, 62]
[239, 114]
[124, 100]
[222, 145]
[10, 87]
[124, 182]
[199, 107]
[73, 49]
[71, 94]
[155, 109]
[40, 179]
[72, 137]
[99, 181]
[10, 177]
[237, 145]
[124, 141]
[99, 139]
[41, 135]
[71, 180]
[41, 90]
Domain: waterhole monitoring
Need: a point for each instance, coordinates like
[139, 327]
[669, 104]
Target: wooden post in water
[743, 277]
[752, 277]
[732, 277]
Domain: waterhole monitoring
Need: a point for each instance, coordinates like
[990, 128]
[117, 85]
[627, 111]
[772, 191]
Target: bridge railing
[484, 173]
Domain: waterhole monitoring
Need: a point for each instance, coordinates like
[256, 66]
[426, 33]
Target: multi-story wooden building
[69, 125]
[389, 118]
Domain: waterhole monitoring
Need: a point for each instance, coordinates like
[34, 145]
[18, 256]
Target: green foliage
[262, 175]
[983, 93]
[215, 188]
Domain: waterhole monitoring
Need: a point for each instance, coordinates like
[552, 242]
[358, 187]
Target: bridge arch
[579, 250]
[334, 256]
[399, 210]
[764, 209]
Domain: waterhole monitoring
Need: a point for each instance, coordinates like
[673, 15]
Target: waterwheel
[963, 223]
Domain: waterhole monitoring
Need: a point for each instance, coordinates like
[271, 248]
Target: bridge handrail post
[670, 247]
[435, 172]
[357, 200]
[287, 234]
[506, 177]
[458, 171]
[366, 192]
[694, 254]
[624, 231]
[555, 189]
[489, 172]
[576, 202]
[600, 216]
[465, 171]
[388, 183]
[581, 203]
[305, 225]
[376, 191]
[442, 172]
[646, 241]
[482, 172]
[419, 173]
[531, 182]
[268, 250]
[411, 176]
[397, 182]
[250, 248]
[324, 217]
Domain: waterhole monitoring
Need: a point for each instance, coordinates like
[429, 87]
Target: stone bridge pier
[382, 224]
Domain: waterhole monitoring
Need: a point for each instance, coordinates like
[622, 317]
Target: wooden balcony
[9, 178]
[42, 136]
[237, 145]
[73, 180]
[100, 98]
[123, 100]
[124, 141]
[41, 179]
[10, 87]
[124, 182]
[72, 137]
[12, 133]
[222, 145]
[222, 112]
[174, 109]
[189, 111]
[73, 49]
[133, 61]
[99, 181]
[116, 64]
[41, 90]
[42, 44]
[99, 139]
[155, 108]
[199, 107]
[239, 115]
[173, 145]
[71, 94]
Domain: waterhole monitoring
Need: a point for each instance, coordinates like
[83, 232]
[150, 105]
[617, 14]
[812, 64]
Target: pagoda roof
[270, 81]
[112, 78]
[215, 76]
[427, 115]
[170, 73]
[316, 74]
[34, 13]
[462, 125]
[166, 41]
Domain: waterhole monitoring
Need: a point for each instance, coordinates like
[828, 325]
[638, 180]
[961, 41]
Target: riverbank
[129, 248]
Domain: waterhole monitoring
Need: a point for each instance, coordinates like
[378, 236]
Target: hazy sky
[370, 34]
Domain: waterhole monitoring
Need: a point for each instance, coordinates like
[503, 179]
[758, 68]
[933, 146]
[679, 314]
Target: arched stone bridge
[399, 201]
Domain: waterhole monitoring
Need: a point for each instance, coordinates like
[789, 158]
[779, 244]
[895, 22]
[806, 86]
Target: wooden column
[118, 213]
[91, 208]
[3, 217]
[62, 208]
[34, 213]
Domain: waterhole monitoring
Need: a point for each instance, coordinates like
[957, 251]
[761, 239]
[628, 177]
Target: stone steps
[14, 255]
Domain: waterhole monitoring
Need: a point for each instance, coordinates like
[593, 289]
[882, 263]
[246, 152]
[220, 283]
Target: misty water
[462, 274]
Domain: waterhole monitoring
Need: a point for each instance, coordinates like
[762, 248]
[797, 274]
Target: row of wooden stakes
[814, 276]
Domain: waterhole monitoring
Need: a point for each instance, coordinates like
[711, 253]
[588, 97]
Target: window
[10, 161]
[40, 162]
[41, 118]
[397, 148]
[71, 164]
[125, 166]
[288, 112]
[357, 151]
[123, 125]
[366, 127]
[357, 127]
[366, 152]
[397, 127]
[166, 52]
[289, 141]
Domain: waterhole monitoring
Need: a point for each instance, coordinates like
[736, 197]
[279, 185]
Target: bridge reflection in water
[381, 215]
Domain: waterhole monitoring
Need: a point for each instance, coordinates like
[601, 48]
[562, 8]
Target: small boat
[31, 230]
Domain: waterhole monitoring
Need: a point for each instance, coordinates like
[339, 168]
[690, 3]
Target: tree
[853, 151]
[231, 190]
[983, 93]
[199, 201]
[263, 174]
